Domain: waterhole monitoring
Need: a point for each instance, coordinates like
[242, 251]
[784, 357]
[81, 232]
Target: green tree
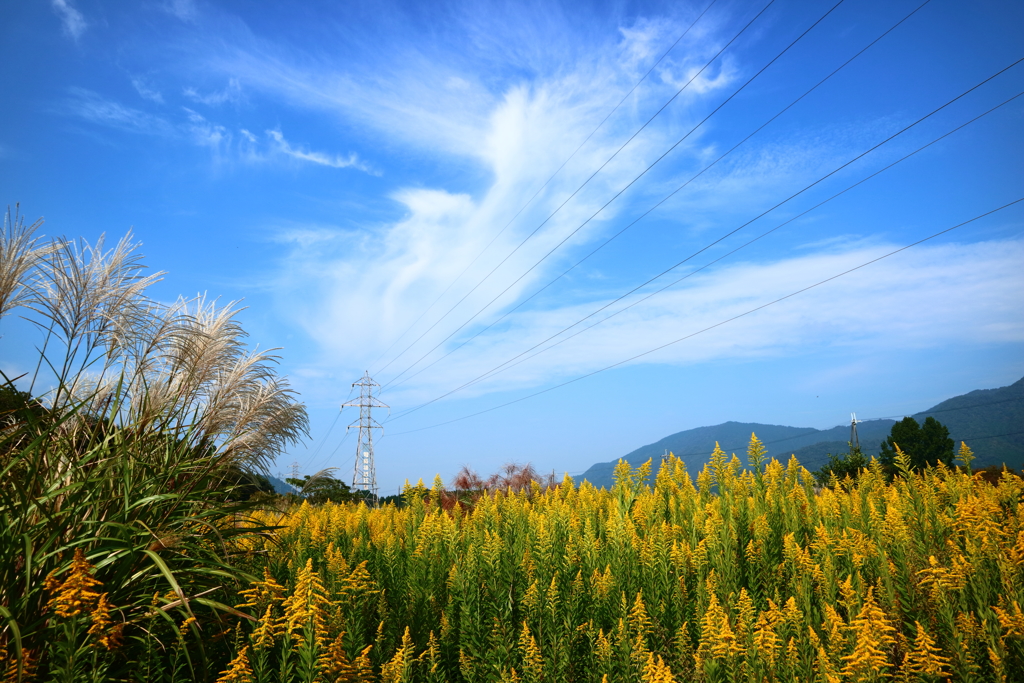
[16, 405]
[927, 444]
[322, 489]
[249, 484]
[842, 465]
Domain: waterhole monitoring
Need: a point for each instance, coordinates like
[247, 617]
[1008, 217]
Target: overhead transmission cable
[546, 183]
[566, 201]
[515, 360]
[338, 447]
[323, 440]
[943, 410]
[762, 214]
[619, 193]
[312, 458]
[720, 323]
[643, 215]
[990, 436]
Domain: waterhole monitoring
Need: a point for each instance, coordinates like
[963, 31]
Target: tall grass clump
[745, 574]
[119, 527]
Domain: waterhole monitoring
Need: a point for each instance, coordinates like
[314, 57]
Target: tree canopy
[925, 445]
[842, 465]
[322, 489]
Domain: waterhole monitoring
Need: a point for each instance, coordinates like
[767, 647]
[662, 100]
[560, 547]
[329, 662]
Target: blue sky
[342, 167]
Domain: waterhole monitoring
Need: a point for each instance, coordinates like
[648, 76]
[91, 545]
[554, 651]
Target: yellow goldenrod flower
[399, 668]
[873, 638]
[745, 612]
[359, 582]
[766, 640]
[997, 665]
[639, 621]
[77, 594]
[238, 670]
[533, 661]
[266, 631]
[1012, 619]
[9, 666]
[262, 593]
[656, 671]
[925, 659]
[103, 629]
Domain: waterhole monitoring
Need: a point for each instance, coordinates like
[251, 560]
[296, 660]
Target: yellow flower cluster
[79, 594]
[742, 574]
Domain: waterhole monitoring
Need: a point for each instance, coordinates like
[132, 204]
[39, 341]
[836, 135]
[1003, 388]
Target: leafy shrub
[118, 484]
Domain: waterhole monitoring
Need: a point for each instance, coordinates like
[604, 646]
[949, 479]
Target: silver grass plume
[19, 254]
[84, 295]
[181, 369]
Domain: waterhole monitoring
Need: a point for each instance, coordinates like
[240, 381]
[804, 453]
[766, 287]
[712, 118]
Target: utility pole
[364, 476]
[854, 441]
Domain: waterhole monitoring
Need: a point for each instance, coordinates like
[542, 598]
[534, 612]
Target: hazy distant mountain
[280, 486]
[991, 421]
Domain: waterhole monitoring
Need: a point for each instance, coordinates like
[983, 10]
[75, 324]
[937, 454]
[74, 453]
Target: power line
[511, 362]
[566, 201]
[991, 436]
[546, 183]
[944, 410]
[620, 192]
[312, 457]
[324, 439]
[721, 323]
[341, 443]
[643, 215]
[343, 438]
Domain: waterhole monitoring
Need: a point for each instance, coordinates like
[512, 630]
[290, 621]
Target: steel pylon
[364, 475]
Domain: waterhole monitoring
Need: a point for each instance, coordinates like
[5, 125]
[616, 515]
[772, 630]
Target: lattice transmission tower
[364, 476]
[854, 441]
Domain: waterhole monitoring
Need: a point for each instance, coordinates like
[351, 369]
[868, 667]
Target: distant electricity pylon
[854, 441]
[364, 477]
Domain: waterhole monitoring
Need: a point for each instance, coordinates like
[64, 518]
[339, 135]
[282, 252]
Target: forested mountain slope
[991, 421]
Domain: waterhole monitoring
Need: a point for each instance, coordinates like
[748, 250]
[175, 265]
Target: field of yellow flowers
[746, 574]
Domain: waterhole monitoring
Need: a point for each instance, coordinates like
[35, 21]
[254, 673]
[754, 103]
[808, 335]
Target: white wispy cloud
[100, 110]
[353, 295]
[232, 92]
[186, 10]
[928, 297]
[72, 21]
[192, 127]
[146, 90]
[440, 96]
[381, 278]
[204, 133]
[187, 125]
[512, 101]
[351, 160]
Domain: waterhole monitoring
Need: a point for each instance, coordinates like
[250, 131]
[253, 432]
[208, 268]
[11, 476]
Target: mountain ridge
[991, 421]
